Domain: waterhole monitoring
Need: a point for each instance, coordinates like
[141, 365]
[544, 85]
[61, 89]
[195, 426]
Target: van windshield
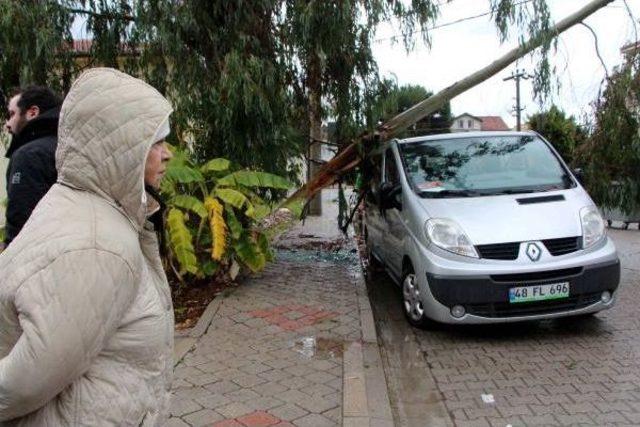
[483, 166]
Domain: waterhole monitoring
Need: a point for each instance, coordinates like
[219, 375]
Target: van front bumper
[485, 298]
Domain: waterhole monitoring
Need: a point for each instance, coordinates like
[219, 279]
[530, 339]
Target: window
[461, 124]
[470, 123]
[390, 169]
[483, 166]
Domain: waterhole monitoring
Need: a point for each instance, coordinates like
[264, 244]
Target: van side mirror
[390, 196]
[579, 174]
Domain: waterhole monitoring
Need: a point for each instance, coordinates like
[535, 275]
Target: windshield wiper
[515, 191]
[451, 193]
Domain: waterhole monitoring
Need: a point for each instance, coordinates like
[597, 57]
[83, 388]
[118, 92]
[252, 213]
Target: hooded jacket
[31, 170]
[86, 319]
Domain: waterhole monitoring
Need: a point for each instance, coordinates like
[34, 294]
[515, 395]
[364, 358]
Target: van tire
[411, 304]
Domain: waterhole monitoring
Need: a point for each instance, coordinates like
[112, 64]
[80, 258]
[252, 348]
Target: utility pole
[517, 75]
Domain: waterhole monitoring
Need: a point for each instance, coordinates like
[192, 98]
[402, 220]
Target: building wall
[466, 124]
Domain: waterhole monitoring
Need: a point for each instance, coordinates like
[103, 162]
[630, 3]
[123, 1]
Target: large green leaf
[210, 267]
[183, 174]
[180, 156]
[250, 254]
[191, 203]
[235, 226]
[181, 241]
[260, 211]
[167, 188]
[255, 179]
[231, 197]
[250, 211]
[263, 244]
[215, 165]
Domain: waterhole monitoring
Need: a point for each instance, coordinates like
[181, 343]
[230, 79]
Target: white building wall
[466, 124]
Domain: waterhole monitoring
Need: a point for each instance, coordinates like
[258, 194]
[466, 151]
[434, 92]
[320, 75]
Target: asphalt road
[562, 372]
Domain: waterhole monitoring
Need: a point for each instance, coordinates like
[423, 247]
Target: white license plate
[539, 292]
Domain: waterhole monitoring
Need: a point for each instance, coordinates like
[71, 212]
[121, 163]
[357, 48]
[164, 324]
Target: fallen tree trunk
[349, 157]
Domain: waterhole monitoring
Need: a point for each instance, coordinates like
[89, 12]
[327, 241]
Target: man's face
[156, 164]
[16, 118]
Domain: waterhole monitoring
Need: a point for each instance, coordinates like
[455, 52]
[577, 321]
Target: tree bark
[349, 156]
[315, 132]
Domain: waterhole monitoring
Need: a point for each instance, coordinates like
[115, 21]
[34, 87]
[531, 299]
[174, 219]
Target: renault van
[486, 227]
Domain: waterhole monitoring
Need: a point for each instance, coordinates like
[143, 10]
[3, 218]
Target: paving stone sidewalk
[274, 352]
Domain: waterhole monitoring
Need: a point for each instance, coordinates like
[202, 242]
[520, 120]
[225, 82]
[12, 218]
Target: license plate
[539, 292]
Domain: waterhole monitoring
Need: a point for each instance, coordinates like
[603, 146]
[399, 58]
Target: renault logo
[533, 252]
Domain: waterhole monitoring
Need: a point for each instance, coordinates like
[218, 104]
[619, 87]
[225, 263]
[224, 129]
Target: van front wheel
[412, 303]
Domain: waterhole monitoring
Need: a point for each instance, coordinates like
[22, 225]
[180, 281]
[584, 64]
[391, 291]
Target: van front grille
[504, 251]
[563, 246]
[509, 251]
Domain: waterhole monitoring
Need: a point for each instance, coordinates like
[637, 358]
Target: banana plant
[212, 212]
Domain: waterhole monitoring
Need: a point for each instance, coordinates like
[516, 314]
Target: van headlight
[593, 229]
[448, 235]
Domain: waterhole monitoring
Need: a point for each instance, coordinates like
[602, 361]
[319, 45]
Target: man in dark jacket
[32, 121]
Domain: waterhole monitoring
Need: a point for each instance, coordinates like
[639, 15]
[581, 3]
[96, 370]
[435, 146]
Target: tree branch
[595, 41]
[101, 15]
[633, 20]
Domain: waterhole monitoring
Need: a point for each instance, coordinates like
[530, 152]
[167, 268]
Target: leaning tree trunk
[349, 157]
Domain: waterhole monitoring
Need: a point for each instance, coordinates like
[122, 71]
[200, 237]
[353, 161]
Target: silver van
[486, 227]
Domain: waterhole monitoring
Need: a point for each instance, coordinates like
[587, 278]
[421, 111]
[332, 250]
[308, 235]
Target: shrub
[212, 212]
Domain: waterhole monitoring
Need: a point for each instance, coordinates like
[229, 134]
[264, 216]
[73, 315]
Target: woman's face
[156, 164]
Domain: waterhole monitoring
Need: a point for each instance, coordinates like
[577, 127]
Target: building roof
[82, 47]
[492, 123]
[630, 48]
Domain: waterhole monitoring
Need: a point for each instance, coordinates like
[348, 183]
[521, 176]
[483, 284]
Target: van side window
[390, 168]
[372, 175]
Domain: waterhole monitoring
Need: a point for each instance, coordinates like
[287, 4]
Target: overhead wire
[595, 40]
[447, 24]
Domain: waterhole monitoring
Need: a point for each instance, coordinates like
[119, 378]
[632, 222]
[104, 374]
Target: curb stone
[365, 393]
[429, 412]
[184, 341]
[205, 320]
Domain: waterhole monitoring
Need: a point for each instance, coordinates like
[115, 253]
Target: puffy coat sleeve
[67, 312]
[31, 173]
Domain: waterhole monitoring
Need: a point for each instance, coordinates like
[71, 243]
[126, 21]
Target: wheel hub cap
[411, 295]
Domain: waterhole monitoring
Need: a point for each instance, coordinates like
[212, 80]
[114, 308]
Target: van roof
[457, 135]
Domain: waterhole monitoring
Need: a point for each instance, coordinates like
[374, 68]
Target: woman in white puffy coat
[86, 319]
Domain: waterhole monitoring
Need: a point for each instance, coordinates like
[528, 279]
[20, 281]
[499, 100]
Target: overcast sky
[462, 48]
